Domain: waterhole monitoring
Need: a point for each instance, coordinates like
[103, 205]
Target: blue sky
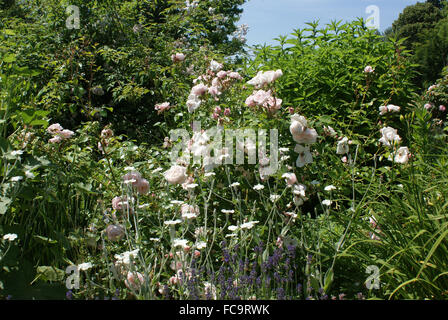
[267, 19]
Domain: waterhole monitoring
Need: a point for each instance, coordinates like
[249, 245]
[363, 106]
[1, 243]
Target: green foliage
[432, 53]
[111, 68]
[414, 21]
[423, 26]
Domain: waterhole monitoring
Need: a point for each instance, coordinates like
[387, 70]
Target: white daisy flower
[248, 225]
[172, 222]
[85, 266]
[180, 243]
[10, 237]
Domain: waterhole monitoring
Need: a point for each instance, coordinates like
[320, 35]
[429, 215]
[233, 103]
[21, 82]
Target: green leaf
[48, 273]
[329, 276]
[45, 239]
[9, 58]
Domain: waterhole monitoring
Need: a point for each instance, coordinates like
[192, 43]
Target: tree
[118, 65]
[436, 3]
[422, 25]
[432, 55]
[414, 21]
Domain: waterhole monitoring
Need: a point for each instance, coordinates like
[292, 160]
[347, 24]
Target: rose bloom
[66, 134]
[264, 78]
[342, 147]
[176, 174]
[55, 139]
[199, 89]
[214, 91]
[54, 128]
[215, 66]
[235, 75]
[305, 157]
[442, 108]
[178, 57]
[262, 97]
[273, 104]
[193, 103]
[290, 178]
[298, 124]
[383, 110]
[308, 136]
[402, 155]
[222, 74]
[162, 107]
[106, 133]
[134, 280]
[368, 69]
[389, 135]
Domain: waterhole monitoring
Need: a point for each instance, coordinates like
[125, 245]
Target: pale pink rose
[428, 106]
[308, 136]
[383, 110]
[215, 66]
[178, 57]
[218, 110]
[279, 242]
[344, 159]
[442, 108]
[188, 180]
[162, 107]
[227, 112]
[199, 89]
[215, 116]
[193, 103]
[134, 281]
[250, 102]
[106, 133]
[368, 69]
[176, 174]
[264, 78]
[273, 104]
[222, 74]
[235, 75]
[173, 280]
[54, 128]
[261, 97]
[216, 83]
[55, 139]
[214, 91]
[66, 134]
[290, 178]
